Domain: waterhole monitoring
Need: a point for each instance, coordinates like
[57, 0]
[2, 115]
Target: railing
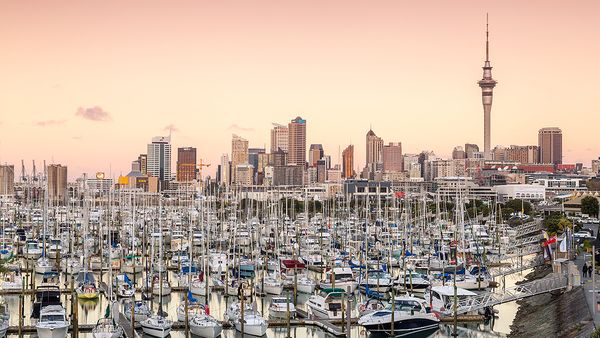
[516, 292]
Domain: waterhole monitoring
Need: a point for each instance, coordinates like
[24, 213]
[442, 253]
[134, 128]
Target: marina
[330, 265]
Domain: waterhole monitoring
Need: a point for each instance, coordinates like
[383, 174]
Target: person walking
[590, 270]
[584, 270]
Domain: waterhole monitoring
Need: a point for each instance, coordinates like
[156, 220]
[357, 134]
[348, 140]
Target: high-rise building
[550, 145]
[253, 155]
[159, 159]
[279, 138]
[315, 153]
[143, 160]
[323, 165]
[239, 154]
[412, 165]
[374, 149]
[297, 142]
[458, 153]
[392, 157]
[56, 176]
[471, 150]
[244, 174]
[487, 84]
[225, 170]
[522, 154]
[278, 158]
[348, 162]
[7, 179]
[186, 164]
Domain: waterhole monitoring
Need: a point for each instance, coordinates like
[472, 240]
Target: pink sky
[213, 68]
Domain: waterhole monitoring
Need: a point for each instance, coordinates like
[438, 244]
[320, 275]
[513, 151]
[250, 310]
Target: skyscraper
[143, 159]
[159, 158]
[392, 157]
[239, 154]
[297, 142]
[225, 170]
[253, 156]
[550, 145]
[315, 153]
[186, 164]
[487, 84]
[7, 179]
[374, 154]
[279, 138]
[56, 176]
[348, 162]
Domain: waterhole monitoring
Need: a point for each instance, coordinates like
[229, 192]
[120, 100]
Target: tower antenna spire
[487, 41]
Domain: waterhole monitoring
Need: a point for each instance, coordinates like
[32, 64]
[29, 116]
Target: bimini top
[448, 290]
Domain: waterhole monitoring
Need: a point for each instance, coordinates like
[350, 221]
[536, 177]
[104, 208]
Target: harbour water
[91, 310]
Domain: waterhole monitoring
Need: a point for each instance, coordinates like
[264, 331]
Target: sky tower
[487, 84]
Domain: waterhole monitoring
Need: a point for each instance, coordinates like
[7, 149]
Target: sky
[89, 83]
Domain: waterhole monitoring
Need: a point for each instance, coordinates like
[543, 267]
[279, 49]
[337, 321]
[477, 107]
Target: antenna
[487, 35]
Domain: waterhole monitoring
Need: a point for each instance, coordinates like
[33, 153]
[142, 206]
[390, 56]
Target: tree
[517, 204]
[557, 223]
[589, 205]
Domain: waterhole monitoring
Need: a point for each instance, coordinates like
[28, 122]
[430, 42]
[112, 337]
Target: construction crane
[199, 167]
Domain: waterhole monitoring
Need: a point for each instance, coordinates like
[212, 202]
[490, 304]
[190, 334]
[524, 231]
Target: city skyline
[91, 99]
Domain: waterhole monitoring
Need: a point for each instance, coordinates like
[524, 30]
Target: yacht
[441, 297]
[140, 309]
[157, 326]
[339, 277]
[32, 249]
[205, 326]
[124, 286]
[270, 285]
[43, 265]
[413, 282]
[410, 315]
[280, 307]
[327, 304]
[376, 280]
[254, 323]
[107, 328]
[218, 263]
[52, 322]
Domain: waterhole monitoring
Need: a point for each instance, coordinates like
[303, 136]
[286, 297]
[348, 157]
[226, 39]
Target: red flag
[399, 194]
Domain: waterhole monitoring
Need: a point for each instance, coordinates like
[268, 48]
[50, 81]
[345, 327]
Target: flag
[563, 245]
[127, 280]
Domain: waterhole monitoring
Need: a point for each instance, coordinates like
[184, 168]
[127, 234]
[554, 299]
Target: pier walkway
[488, 299]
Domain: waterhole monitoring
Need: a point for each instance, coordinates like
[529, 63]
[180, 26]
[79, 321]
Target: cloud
[49, 123]
[171, 128]
[95, 113]
[235, 127]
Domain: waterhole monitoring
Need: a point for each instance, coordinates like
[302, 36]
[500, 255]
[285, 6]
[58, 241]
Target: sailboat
[158, 325]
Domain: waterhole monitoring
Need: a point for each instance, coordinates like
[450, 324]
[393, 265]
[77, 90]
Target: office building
[348, 162]
[7, 179]
[297, 142]
[392, 157]
[458, 153]
[159, 160]
[225, 174]
[550, 145]
[186, 164]
[56, 176]
[239, 154]
[279, 138]
[315, 153]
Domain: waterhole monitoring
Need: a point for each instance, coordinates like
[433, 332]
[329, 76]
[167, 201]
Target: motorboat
[339, 277]
[52, 322]
[406, 315]
[280, 307]
[327, 304]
